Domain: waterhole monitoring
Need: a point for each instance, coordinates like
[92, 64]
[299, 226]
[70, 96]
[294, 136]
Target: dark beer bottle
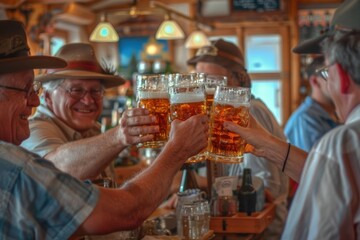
[247, 193]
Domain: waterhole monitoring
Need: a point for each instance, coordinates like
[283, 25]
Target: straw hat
[15, 52]
[82, 64]
[346, 16]
[220, 52]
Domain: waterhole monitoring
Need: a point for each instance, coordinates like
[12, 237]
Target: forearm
[86, 158]
[276, 151]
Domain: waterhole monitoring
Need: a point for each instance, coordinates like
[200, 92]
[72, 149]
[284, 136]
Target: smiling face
[16, 107]
[80, 114]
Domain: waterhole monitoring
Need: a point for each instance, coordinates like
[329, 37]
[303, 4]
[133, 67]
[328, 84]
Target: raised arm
[262, 144]
[87, 157]
[129, 206]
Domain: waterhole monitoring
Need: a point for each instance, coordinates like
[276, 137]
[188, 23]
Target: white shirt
[327, 202]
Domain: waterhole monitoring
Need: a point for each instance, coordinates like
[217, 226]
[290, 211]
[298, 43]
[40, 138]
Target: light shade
[169, 30]
[197, 39]
[104, 32]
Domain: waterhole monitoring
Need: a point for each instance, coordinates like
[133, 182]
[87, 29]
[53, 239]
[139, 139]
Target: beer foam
[234, 104]
[152, 95]
[187, 98]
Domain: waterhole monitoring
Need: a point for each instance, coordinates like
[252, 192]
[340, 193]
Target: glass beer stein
[211, 82]
[152, 94]
[187, 98]
[230, 104]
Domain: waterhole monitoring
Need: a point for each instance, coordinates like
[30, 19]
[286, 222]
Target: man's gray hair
[344, 48]
[52, 85]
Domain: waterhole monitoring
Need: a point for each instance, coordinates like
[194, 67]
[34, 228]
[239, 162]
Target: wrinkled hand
[135, 126]
[255, 136]
[190, 136]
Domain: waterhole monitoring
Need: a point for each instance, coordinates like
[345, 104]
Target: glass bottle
[247, 193]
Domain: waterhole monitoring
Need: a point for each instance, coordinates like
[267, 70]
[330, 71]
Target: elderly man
[64, 128]
[38, 201]
[225, 58]
[327, 204]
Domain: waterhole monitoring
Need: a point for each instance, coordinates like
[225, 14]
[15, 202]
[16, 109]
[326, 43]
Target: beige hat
[81, 64]
[346, 16]
[14, 50]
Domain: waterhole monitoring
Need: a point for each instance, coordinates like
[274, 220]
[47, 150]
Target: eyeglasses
[79, 93]
[34, 89]
[324, 71]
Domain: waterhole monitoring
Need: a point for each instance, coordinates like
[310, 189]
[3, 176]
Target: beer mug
[152, 94]
[230, 104]
[187, 98]
[211, 82]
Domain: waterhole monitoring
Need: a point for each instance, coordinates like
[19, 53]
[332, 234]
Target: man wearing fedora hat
[326, 204]
[64, 128]
[39, 201]
[225, 58]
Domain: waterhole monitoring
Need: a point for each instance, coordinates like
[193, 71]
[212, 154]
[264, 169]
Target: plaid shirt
[38, 201]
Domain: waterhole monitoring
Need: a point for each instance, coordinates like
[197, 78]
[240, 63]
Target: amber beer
[185, 105]
[211, 82]
[187, 98]
[152, 94]
[226, 146]
[158, 105]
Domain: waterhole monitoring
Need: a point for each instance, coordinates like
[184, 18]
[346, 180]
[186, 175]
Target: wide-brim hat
[346, 16]
[15, 52]
[221, 52]
[81, 64]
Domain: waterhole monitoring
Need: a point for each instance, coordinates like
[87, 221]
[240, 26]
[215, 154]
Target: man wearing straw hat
[39, 201]
[225, 58]
[64, 128]
[326, 204]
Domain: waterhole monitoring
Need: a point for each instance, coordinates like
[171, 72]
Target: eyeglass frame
[324, 71]
[35, 88]
[84, 92]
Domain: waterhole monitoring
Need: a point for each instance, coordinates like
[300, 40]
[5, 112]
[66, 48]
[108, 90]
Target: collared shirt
[47, 133]
[274, 180]
[38, 201]
[308, 124]
[327, 202]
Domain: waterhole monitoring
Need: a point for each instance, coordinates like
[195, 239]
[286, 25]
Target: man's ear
[344, 78]
[313, 80]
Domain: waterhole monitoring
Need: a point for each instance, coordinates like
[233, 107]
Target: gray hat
[346, 16]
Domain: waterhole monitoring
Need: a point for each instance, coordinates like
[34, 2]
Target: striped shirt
[38, 201]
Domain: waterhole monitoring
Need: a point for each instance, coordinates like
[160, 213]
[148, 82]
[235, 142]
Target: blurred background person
[225, 58]
[314, 117]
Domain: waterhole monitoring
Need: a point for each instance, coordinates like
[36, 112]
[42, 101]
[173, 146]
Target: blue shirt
[308, 124]
[38, 201]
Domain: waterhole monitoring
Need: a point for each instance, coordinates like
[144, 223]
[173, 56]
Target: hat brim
[10, 65]
[310, 46]
[225, 62]
[108, 81]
